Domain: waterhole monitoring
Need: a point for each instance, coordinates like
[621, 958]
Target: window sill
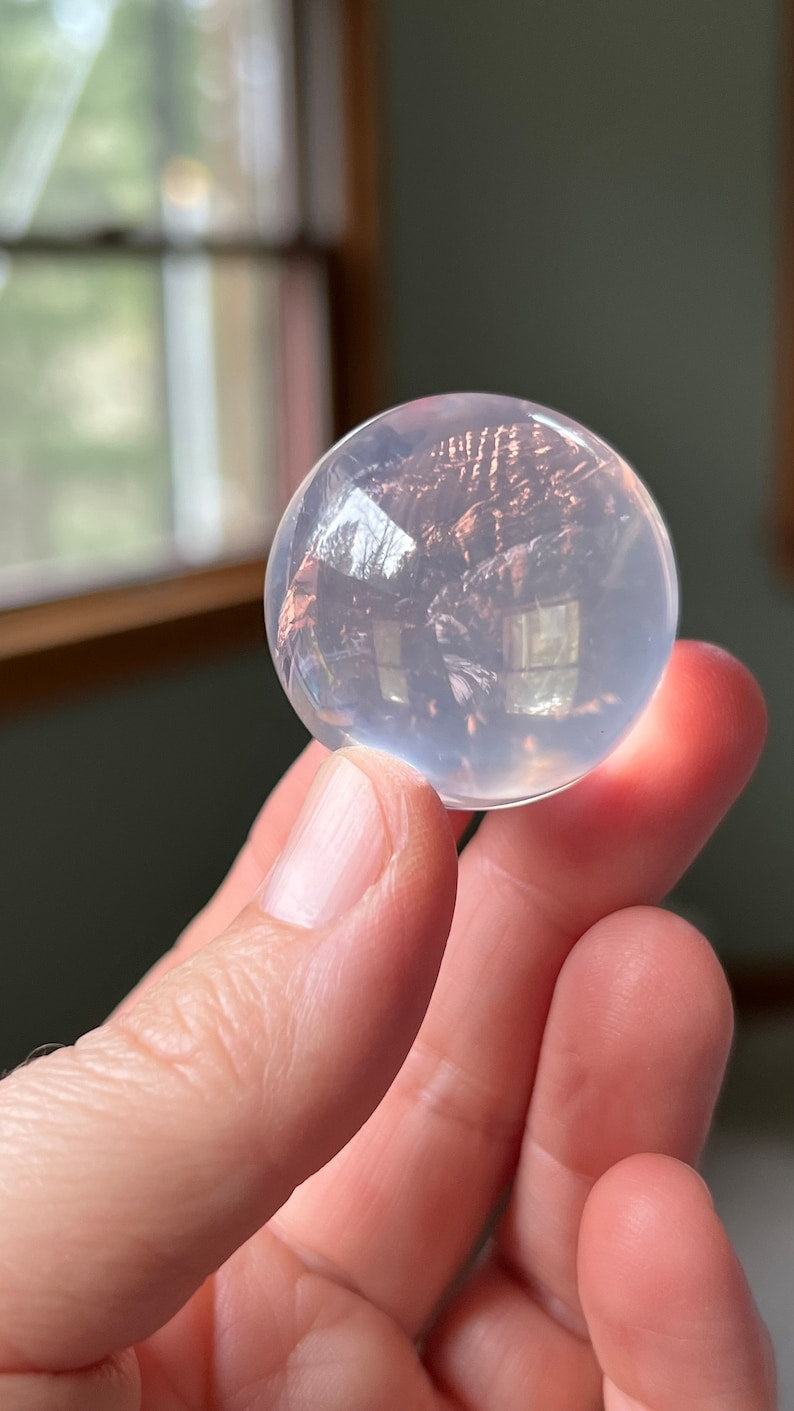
[64, 648]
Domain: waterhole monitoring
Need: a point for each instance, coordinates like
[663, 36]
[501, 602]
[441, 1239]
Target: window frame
[781, 526]
[71, 645]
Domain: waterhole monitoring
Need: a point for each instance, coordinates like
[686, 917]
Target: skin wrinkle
[552, 1299]
[114, 1380]
[532, 1144]
[317, 1264]
[578, 1081]
[540, 901]
[498, 1345]
[340, 1319]
[555, 1307]
[270, 1314]
[202, 1062]
[445, 1089]
[165, 1073]
[309, 1287]
[218, 1011]
[508, 1136]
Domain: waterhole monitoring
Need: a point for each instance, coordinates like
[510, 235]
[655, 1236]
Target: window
[782, 527]
[186, 250]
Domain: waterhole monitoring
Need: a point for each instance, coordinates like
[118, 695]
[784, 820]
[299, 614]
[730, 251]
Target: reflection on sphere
[477, 585]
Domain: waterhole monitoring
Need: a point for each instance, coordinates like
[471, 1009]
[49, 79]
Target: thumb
[135, 1163]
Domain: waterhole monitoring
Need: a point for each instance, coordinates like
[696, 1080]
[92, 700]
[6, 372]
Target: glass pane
[146, 113]
[139, 428]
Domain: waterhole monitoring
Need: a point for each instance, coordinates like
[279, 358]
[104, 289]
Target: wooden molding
[355, 266]
[112, 611]
[70, 646]
[783, 509]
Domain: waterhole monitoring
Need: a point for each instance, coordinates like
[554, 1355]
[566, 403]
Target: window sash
[67, 647]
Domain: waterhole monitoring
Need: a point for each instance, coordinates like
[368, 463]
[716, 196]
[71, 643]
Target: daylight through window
[165, 217]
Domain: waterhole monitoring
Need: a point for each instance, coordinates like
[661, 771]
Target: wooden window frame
[72, 645]
[782, 510]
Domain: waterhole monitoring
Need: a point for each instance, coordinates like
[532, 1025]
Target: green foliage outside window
[135, 115]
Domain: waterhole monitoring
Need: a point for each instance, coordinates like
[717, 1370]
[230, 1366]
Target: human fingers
[135, 1163]
[670, 1314]
[632, 1060]
[397, 1211]
[114, 1384]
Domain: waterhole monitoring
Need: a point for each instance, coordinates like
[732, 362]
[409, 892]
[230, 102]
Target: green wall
[580, 209]
[118, 817]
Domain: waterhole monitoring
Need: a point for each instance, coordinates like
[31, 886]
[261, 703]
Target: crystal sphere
[477, 585]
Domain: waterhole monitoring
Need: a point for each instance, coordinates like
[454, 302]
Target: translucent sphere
[479, 586]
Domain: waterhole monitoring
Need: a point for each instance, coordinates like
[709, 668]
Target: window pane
[140, 427]
[108, 108]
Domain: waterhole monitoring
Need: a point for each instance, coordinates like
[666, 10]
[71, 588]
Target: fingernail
[338, 848]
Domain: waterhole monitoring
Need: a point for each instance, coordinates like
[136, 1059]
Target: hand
[263, 1107]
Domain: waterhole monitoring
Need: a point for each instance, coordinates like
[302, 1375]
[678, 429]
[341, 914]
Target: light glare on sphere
[479, 586]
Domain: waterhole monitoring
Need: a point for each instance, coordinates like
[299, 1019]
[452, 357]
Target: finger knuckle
[207, 1027]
